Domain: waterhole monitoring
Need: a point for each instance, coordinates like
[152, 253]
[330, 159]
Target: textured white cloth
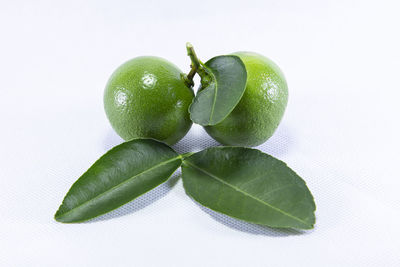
[340, 131]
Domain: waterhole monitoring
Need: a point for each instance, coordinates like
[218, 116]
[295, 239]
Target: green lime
[260, 110]
[146, 97]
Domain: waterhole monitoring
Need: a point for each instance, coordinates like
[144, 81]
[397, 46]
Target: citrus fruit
[147, 98]
[259, 112]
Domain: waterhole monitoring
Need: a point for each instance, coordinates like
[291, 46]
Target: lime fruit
[147, 98]
[261, 108]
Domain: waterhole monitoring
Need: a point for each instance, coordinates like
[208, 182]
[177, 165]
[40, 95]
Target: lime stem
[196, 66]
[191, 74]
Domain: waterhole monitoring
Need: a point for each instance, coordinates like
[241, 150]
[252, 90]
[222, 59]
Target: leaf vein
[119, 185]
[247, 194]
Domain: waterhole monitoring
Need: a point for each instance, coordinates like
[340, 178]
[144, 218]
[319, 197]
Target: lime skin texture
[261, 108]
[146, 98]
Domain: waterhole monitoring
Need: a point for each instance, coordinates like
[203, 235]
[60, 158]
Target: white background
[340, 131]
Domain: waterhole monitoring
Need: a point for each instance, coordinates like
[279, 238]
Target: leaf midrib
[247, 194]
[119, 185]
[214, 79]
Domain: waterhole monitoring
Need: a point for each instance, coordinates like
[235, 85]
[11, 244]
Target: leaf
[214, 102]
[249, 185]
[119, 176]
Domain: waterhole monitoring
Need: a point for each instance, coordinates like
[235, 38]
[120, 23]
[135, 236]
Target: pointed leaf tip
[119, 176]
[249, 185]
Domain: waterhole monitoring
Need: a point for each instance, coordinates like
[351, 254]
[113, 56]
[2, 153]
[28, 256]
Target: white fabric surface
[340, 131]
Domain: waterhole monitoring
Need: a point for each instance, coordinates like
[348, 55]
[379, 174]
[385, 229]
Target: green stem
[196, 66]
[189, 82]
[191, 73]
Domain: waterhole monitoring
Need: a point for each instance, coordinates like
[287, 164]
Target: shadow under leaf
[250, 228]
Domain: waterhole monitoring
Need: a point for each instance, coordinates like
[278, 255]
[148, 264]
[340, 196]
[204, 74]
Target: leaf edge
[312, 225]
[86, 220]
[209, 71]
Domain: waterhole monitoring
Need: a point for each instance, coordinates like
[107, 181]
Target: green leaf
[249, 185]
[218, 98]
[119, 176]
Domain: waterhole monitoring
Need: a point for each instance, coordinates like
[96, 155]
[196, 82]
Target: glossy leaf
[249, 185]
[214, 102]
[119, 176]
